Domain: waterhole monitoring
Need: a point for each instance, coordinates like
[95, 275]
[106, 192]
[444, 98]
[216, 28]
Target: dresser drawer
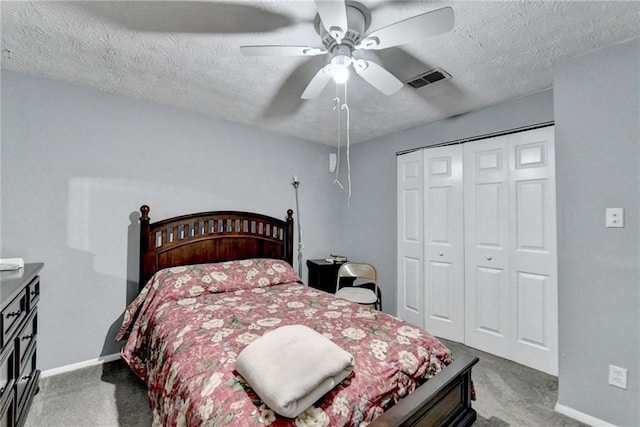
[26, 382]
[13, 315]
[27, 337]
[33, 292]
[7, 376]
[7, 412]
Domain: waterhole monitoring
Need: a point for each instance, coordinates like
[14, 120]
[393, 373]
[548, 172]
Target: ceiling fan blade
[272, 50]
[220, 17]
[410, 30]
[318, 82]
[287, 101]
[377, 76]
[333, 14]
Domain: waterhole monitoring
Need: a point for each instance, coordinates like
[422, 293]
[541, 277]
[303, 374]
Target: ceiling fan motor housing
[358, 20]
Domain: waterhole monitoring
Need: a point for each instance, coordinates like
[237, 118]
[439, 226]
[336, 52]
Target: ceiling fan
[342, 26]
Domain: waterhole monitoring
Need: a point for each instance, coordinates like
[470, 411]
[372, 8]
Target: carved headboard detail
[211, 237]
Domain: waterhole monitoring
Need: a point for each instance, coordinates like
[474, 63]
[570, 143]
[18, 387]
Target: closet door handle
[489, 257]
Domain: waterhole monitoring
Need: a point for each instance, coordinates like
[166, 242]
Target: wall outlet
[614, 217]
[618, 377]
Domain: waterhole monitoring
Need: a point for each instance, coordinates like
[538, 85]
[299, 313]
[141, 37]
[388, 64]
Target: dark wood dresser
[19, 294]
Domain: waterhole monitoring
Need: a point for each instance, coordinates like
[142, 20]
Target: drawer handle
[34, 293]
[489, 257]
[28, 337]
[26, 378]
[441, 254]
[1, 390]
[14, 313]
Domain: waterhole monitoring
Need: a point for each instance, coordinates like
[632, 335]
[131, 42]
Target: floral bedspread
[189, 324]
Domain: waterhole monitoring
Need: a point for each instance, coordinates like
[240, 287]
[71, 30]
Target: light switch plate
[614, 217]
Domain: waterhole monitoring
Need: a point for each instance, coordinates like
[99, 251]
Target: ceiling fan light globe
[342, 61]
[340, 75]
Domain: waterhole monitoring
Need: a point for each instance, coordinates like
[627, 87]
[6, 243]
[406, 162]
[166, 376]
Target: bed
[214, 282]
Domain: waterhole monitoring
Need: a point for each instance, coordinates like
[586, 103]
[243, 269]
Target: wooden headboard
[211, 237]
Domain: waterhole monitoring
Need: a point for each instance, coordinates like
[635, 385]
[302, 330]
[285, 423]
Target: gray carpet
[509, 394]
[110, 395]
[107, 395]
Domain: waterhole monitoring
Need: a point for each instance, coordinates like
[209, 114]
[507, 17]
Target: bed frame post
[288, 248]
[146, 256]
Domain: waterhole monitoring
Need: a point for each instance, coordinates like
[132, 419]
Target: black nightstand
[323, 274]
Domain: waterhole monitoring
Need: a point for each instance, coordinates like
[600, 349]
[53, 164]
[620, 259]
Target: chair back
[358, 270]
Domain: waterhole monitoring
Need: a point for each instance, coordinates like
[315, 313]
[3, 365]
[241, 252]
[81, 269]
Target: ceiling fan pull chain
[345, 107]
[336, 107]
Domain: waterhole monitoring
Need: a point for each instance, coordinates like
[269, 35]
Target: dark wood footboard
[444, 400]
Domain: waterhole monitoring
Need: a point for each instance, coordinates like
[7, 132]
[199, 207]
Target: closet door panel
[534, 257]
[444, 242]
[410, 238]
[439, 274]
[489, 283]
[486, 211]
[531, 296]
[411, 285]
[440, 306]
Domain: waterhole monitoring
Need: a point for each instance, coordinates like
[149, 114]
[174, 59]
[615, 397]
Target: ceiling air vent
[429, 77]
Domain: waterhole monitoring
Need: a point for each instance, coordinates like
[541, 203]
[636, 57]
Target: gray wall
[368, 221]
[76, 165]
[597, 110]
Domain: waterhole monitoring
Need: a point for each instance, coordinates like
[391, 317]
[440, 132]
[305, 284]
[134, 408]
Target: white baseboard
[68, 368]
[582, 417]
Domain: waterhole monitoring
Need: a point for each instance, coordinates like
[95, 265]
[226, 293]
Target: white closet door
[486, 212]
[444, 242]
[410, 238]
[534, 284]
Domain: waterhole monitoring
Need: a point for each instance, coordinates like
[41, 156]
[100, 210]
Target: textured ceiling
[186, 54]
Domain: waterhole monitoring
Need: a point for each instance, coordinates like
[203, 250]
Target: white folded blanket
[293, 366]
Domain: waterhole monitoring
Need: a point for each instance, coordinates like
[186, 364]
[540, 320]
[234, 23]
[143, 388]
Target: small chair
[362, 294]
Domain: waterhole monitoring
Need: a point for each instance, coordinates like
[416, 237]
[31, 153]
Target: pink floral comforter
[189, 324]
